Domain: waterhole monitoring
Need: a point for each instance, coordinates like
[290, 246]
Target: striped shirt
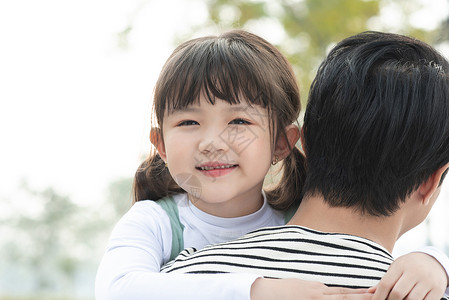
[292, 251]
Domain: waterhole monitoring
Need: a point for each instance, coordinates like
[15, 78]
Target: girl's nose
[213, 143]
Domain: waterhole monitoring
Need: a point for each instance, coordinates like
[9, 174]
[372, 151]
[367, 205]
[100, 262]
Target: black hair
[377, 122]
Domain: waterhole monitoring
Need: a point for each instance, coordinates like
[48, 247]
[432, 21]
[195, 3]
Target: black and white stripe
[291, 251]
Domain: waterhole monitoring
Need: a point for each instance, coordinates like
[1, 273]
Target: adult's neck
[315, 213]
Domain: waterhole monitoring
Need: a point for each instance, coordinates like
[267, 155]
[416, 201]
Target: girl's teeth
[218, 167]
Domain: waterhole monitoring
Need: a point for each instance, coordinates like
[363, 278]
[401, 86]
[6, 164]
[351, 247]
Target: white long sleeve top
[141, 243]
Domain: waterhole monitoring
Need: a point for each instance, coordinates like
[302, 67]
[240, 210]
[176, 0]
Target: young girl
[225, 108]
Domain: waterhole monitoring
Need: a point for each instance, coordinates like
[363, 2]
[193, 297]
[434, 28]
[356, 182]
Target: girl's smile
[216, 169]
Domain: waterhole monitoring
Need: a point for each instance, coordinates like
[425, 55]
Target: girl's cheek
[239, 137]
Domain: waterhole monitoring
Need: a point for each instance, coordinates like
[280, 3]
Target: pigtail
[288, 192]
[153, 181]
[234, 66]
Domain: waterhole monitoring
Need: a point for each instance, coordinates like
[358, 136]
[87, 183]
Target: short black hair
[377, 122]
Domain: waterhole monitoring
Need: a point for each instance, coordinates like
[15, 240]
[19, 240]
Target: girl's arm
[294, 289]
[420, 275]
[147, 285]
[141, 242]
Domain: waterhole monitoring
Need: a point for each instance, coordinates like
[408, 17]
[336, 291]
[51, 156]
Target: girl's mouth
[216, 169]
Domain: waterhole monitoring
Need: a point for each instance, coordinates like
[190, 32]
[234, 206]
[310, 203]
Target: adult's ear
[158, 142]
[286, 142]
[428, 188]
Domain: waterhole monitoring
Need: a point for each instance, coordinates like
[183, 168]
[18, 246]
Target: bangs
[214, 68]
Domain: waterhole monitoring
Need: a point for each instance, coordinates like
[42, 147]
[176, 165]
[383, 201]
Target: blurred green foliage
[307, 28]
[119, 195]
[310, 26]
[53, 245]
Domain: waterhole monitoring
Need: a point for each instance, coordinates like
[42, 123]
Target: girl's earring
[275, 160]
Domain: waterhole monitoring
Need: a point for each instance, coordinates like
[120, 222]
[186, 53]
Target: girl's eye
[188, 123]
[239, 122]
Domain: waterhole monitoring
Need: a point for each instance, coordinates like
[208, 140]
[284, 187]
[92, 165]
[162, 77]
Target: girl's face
[219, 154]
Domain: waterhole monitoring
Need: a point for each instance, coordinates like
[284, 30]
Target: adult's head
[377, 123]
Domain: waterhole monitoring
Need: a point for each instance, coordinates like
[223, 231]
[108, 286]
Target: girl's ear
[157, 141]
[286, 142]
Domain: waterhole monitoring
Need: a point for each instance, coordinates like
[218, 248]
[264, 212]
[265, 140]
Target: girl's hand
[293, 288]
[412, 276]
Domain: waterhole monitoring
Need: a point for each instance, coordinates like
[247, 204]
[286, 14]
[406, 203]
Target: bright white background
[75, 108]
